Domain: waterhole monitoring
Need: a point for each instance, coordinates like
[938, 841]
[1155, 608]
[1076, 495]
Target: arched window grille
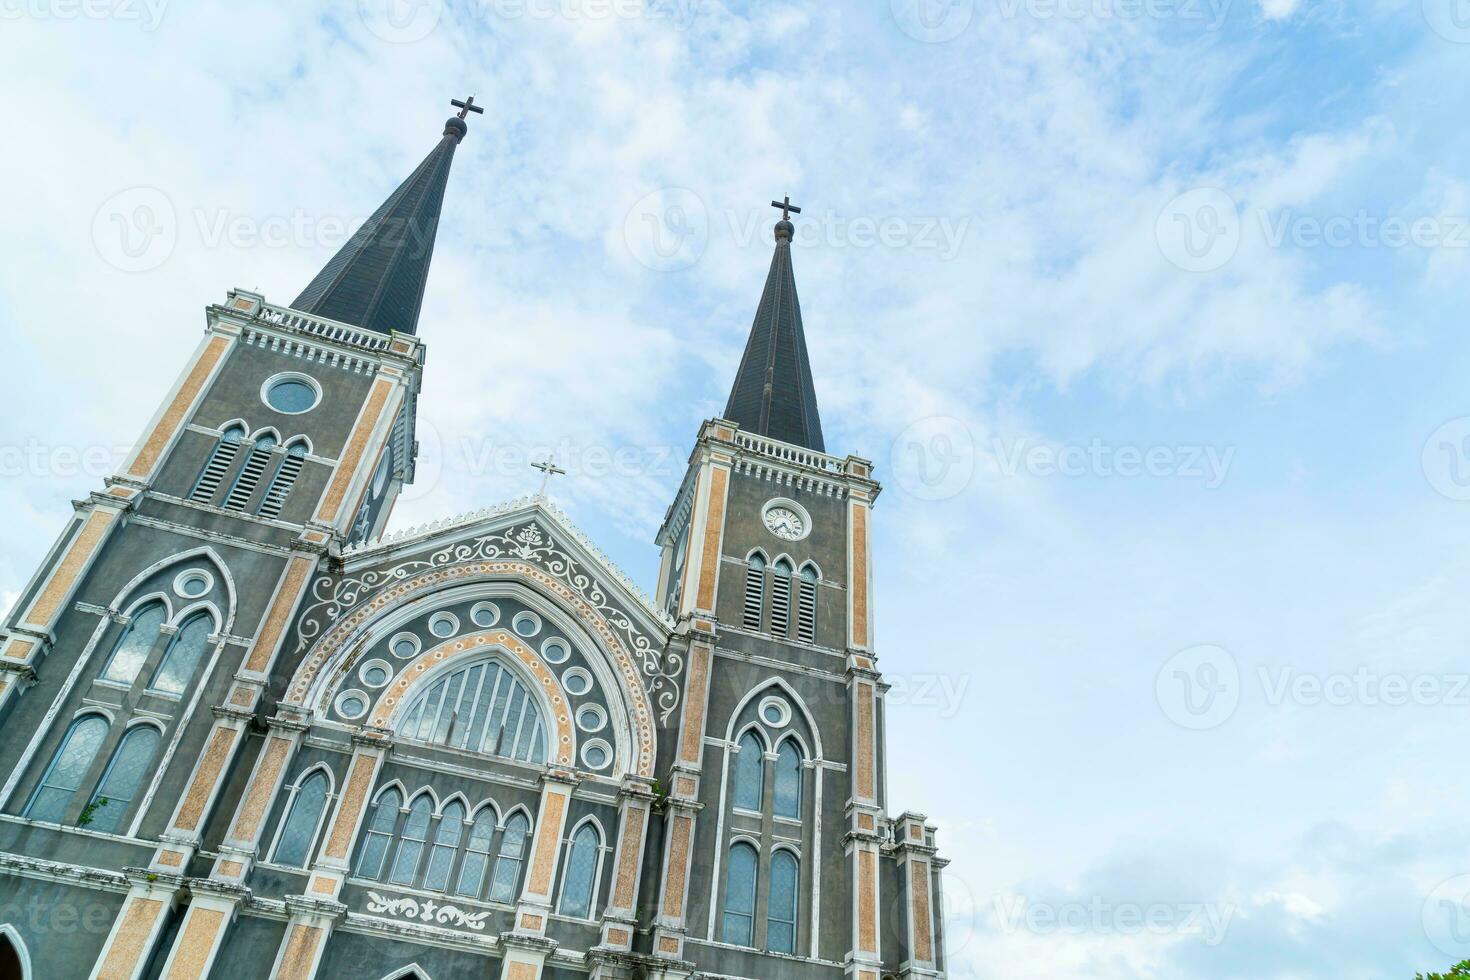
[788, 780]
[132, 648]
[446, 844]
[738, 925]
[249, 476]
[411, 841]
[781, 907]
[185, 652]
[477, 854]
[511, 857]
[284, 479]
[755, 591]
[781, 598]
[298, 832]
[806, 604]
[482, 707]
[219, 463]
[581, 875]
[750, 773]
[125, 772]
[379, 834]
[67, 769]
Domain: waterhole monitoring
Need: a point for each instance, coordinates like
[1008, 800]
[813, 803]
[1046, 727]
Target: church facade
[248, 735]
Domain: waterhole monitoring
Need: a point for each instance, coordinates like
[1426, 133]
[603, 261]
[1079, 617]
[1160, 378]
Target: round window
[526, 624]
[291, 394]
[352, 704]
[375, 673]
[193, 584]
[577, 681]
[591, 718]
[555, 650]
[443, 624]
[485, 614]
[404, 645]
[596, 754]
[775, 712]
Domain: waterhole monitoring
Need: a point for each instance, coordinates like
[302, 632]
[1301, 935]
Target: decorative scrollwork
[426, 910]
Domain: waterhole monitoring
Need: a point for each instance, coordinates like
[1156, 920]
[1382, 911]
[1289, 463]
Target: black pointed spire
[376, 281]
[773, 393]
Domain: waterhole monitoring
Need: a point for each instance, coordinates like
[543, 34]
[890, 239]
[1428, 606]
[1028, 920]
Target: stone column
[150, 900]
[526, 945]
[863, 843]
[621, 918]
[916, 864]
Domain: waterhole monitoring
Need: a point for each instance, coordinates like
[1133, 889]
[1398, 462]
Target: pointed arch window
[750, 773]
[379, 834]
[125, 772]
[13, 958]
[298, 832]
[137, 639]
[185, 651]
[511, 857]
[446, 844]
[411, 842]
[285, 478]
[788, 780]
[738, 925]
[67, 769]
[483, 707]
[806, 604]
[781, 907]
[249, 476]
[576, 892]
[781, 598]
[218, 465]
[755, 591]
[477, 854]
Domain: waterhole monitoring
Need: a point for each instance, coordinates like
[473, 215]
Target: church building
[248, 735]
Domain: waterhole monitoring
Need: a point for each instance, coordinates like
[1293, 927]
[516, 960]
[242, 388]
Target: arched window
[218, 465]
[446, 843]
[298, 832]
[135, 643]
[576, 891]
[788, 780]
[738, 926]
[806, 604]
[285, 478]
[750, 773]
[477, 854]
[483, 707]
[67, 769]
[249, 476]
[411, 841]
[781, 599]
[14, 961]
[755, 591]
[185, 652]
[130, 762]
[781, 909]
[508, 863]
[379, 834]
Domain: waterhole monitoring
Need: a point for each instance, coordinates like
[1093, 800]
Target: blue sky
[1034, 317]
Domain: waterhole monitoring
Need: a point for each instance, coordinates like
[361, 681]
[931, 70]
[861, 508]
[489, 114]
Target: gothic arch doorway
[14, 961]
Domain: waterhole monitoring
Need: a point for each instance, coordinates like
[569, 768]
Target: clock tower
[767, 569]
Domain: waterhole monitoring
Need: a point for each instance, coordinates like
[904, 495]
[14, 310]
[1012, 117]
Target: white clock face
[785, 523]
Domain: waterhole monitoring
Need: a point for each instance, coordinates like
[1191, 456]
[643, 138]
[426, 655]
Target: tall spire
[773, 393]
[376, 281]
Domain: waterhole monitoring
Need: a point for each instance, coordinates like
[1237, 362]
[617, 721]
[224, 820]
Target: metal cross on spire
[548, 469]
[787, 208]
[466, 107]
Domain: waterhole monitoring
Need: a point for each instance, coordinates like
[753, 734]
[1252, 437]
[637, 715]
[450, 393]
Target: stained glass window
[508, 863]
[380, 834]
[446, 843]
[298, 834]
[125, 773]
[739, 921]
[68, 767]
[132, 647]
[185, 652]
[576, 893]
[477, 854]
[750, 773]
[481, 706]
[788, 780]
[781, 915]
[411, 844]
